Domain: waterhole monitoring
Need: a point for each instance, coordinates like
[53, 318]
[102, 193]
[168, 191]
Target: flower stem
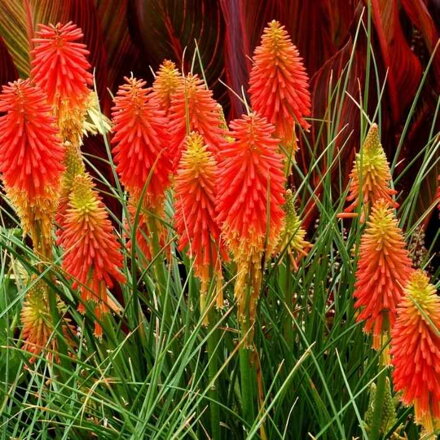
[212, 371]
[378, 402]
[247, 385]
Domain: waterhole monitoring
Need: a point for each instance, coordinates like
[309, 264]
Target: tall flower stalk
[279, 84]
[195, 218]
[384, 268]
[92, 256]
[250, 200]
[31, 159]
[60, 68]
[142, 159]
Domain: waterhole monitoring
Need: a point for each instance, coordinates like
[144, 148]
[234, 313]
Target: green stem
[378, 404]
[287, 327]
[160, 274]
[212, 371]
[247, 386]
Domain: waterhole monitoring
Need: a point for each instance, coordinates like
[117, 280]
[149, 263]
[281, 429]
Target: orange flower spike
[141, 141]
[60, 66]
[31, 158]
[194, 109]
[250, 183]
[415, 351]
[383, 270]
[370, 178]
[250, 180]
[92, 254]
[279, 84]
[31, 154]
[195, 218]
[165, 85]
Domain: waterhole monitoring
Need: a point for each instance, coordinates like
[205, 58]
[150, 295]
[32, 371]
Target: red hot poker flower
[415, 351]
[370, 177]
[60, 66]
[194, 109]
[30, 151]
[250, 192]
[141, 141]
[31, 157]
[165, 85]
[250, 180]
[195, 217]
[92, 254]
[279, 85]
[383, 270]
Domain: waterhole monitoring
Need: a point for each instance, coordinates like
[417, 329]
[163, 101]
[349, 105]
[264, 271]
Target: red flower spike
[31, 154]
[194, 109]
[383, 270]
[250, 180]
[92, 254]
[31, 157]
[195, 213]
[415, 351]
[141, 142]
[60, 66]
[250, 192]
[279, 84]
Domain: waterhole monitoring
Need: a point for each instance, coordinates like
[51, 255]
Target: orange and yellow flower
[30, 158]
[370, 177]
[38, 329]
[141, 142]
[168, 78]
[250, 203]
[92, 256]
[383, 270]
[415, 351]
[60, 66]
[195, 213]
[194, 109]
[279, 84]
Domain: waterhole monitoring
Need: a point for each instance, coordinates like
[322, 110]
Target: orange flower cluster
[141, 141]
[279, 84]
[195, 217]
[383, 270]
[60, 66]
[250, 203]
[30, 159]
[194, 109]
[415, 351]
[370, 178]
[92, 256]
[141, 153]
